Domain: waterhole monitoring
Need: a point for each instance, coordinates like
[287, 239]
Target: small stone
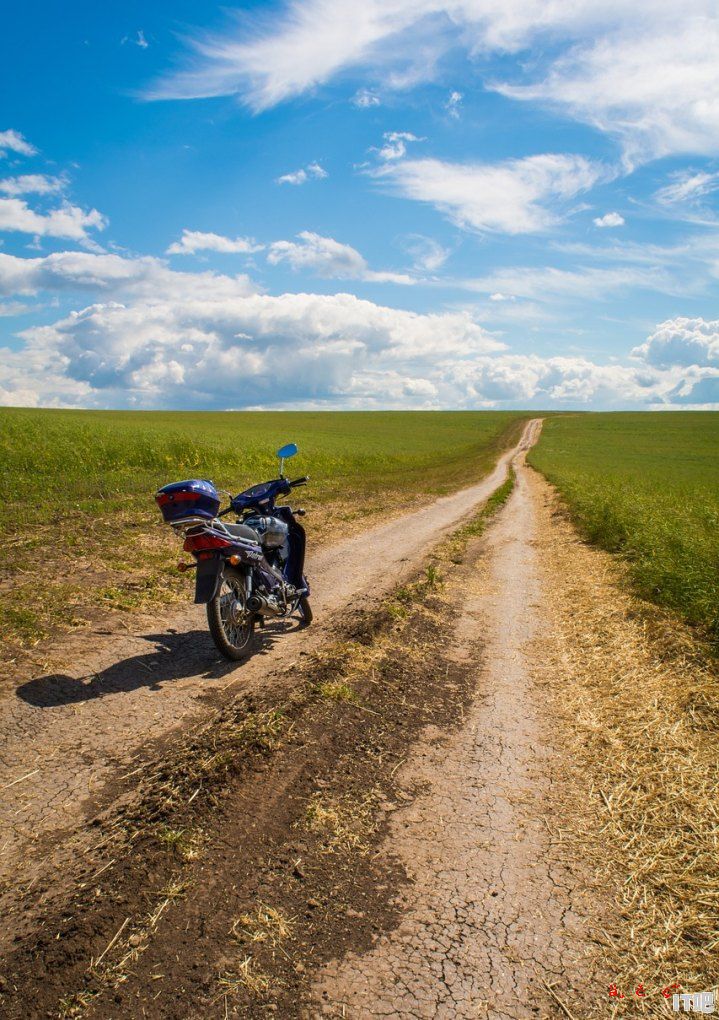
[313, 903]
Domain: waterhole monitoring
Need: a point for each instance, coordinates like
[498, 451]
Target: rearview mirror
[284, 452]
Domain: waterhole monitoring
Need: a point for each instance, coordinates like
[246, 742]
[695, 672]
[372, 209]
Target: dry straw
[641, 703]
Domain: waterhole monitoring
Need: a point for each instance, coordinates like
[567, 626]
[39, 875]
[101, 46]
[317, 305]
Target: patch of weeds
[338, 690]
[185, 842]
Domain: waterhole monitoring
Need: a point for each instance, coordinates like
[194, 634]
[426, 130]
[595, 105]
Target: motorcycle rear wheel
[231, 624]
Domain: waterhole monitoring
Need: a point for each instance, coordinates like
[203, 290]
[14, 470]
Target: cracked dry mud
[495, 920]
[74, 742]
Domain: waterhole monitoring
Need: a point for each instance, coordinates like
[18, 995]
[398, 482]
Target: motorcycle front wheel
[231, 623]
[305, 611]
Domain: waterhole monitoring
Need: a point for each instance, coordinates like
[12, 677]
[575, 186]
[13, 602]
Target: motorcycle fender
[207, 579]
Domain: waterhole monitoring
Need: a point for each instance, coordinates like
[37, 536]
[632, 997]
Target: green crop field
[646, 486]
[81, 531]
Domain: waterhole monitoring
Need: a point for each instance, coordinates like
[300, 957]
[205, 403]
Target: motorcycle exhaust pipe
[259, 604]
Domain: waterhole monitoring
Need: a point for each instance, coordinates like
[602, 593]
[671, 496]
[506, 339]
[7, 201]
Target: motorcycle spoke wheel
[231, 623]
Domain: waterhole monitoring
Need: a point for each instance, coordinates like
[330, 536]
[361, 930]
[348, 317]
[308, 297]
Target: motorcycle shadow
[173, 657]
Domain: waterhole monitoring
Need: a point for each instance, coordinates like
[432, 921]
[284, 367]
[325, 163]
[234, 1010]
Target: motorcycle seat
[243, 531]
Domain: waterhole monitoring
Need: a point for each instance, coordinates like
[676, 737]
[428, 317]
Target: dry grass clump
[345, 824]
[264, 925]
[642, 703]
[247, 978]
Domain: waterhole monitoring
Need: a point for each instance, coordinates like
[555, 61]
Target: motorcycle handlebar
[300, 481]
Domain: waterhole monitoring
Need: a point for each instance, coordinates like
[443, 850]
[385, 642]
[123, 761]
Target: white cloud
[14, 142]
[395, 144]
[517, 196]
[610, 219]
[687, 186]
[648, 83]
[329, 258]
[428, 255]
[193, 241]
[682, 342]
[644, 72]
[202, 340]
[234, 352]
[546, 283]
[365, 98]
[453, 104]
[304, 174]
[69, 221]
[309, 350]
[32, 184]
[141, 278]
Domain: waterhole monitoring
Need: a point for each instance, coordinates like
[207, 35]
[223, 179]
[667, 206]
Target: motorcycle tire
[305, 611]
[232, 633]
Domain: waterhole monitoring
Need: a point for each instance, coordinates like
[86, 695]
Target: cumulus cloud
[68, 222]
[32, 184]
[395, 144]
[304, 174]
[329, 258]
[310, 350]
[514, 197]
[682, 342]
[193, 241]
[235, 351]
[13, 141]
[147, 278]
[610, 219]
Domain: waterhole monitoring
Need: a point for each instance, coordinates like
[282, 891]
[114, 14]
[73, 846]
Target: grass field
[646, 486]
[81, 531]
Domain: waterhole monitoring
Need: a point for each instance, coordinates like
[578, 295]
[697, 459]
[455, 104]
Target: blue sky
[393, 204]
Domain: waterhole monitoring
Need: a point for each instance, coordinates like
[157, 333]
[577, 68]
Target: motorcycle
[249, 570]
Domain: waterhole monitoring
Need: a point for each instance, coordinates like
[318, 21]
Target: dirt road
[73, 743]
[496, 912]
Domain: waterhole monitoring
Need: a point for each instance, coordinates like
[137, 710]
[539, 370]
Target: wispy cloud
[193, 241]
[454, 104]
[304, 174]
[32, 184]
[687, 187]
[13, 141]
[641, 72]
[514, 197]
[365, 98]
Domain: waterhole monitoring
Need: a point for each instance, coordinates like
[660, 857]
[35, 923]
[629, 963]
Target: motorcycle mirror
[284, 453]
